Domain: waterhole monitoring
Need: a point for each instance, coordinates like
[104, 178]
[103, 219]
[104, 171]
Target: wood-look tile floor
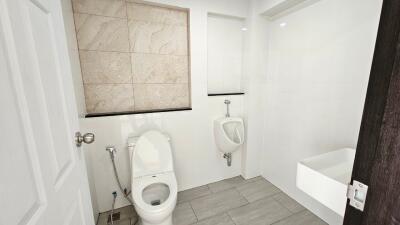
[233, 201]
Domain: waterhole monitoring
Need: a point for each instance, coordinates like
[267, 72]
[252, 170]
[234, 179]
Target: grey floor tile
[226, 184]
[231, 183]
[217, 203]
[302, 218]
[135, 221]
[222, 219]
[288, 202]
[184, 215]
[125, 222]
[262, 212]
[259, 189]
[193, 193]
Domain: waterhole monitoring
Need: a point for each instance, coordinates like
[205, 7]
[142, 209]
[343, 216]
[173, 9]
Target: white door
[42, 173]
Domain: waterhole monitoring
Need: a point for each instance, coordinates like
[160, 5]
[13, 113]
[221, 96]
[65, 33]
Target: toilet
[154, 186]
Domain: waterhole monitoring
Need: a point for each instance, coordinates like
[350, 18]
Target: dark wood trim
[222, 94]
[377, 161]
[91, 115]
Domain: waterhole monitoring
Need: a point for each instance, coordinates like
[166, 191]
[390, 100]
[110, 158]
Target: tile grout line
[196, 197]
[233, 186]
[132, 52]
[130, 57]
[211, 192]
[281, 204]
[127, 18]
[294, 214]
[194, 212]
[224, 212]
[230, 217]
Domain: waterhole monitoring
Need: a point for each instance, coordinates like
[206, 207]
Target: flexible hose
[112, 209]
[125, 193]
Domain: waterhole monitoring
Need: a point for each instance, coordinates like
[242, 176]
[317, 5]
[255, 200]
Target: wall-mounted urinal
[229, 135]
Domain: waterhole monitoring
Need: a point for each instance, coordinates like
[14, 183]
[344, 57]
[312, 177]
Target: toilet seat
[140, 183]
[154, 186]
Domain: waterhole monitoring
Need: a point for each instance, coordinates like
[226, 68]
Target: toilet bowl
[154, 186]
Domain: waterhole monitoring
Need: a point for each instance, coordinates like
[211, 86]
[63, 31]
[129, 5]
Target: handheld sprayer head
[112, 150]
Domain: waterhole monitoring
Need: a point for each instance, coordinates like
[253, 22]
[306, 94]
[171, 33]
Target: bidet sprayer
[112, 150]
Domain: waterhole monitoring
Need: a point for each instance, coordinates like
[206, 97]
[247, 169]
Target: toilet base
[167, 221]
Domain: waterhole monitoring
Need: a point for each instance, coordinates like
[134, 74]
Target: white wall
[224, 53]
[197, 161]
[253, 83]
[318, 69]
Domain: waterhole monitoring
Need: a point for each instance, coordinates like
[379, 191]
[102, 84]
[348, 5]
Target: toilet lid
[151, 155]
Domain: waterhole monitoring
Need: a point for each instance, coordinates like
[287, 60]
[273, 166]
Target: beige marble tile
[288, 202]
[261, 212]
[105, 67]
[161, 96]
[101, 98]
[193, 193]
[149, 37]
[254, 191]
[115, 8]
[183, 214]
[222, 219]
[217, 203]
[157, 14]
[101, 33]
[153, 68]
[302, 218]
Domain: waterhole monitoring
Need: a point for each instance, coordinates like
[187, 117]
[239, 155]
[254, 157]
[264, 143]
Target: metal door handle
[87, 138]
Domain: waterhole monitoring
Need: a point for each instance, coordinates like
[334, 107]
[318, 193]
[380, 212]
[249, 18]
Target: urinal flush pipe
[227, 102]
[228, 157]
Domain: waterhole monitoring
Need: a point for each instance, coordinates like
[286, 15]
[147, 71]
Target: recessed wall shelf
[221, 94]
[90, 115]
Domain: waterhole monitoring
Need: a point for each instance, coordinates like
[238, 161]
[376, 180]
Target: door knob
[87, 138]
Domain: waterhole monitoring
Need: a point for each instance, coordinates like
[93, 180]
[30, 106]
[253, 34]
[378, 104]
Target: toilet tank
[150, 154]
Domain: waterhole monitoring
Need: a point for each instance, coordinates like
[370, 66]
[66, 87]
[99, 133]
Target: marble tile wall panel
[105, 67]
[154, 68]
[103, 98]
[142, 12]
[161, 96]
[158, 38]
[134, 56]
[101, 33]
[113, 8]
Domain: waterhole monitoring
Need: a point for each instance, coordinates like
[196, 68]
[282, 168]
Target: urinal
[229, 133]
